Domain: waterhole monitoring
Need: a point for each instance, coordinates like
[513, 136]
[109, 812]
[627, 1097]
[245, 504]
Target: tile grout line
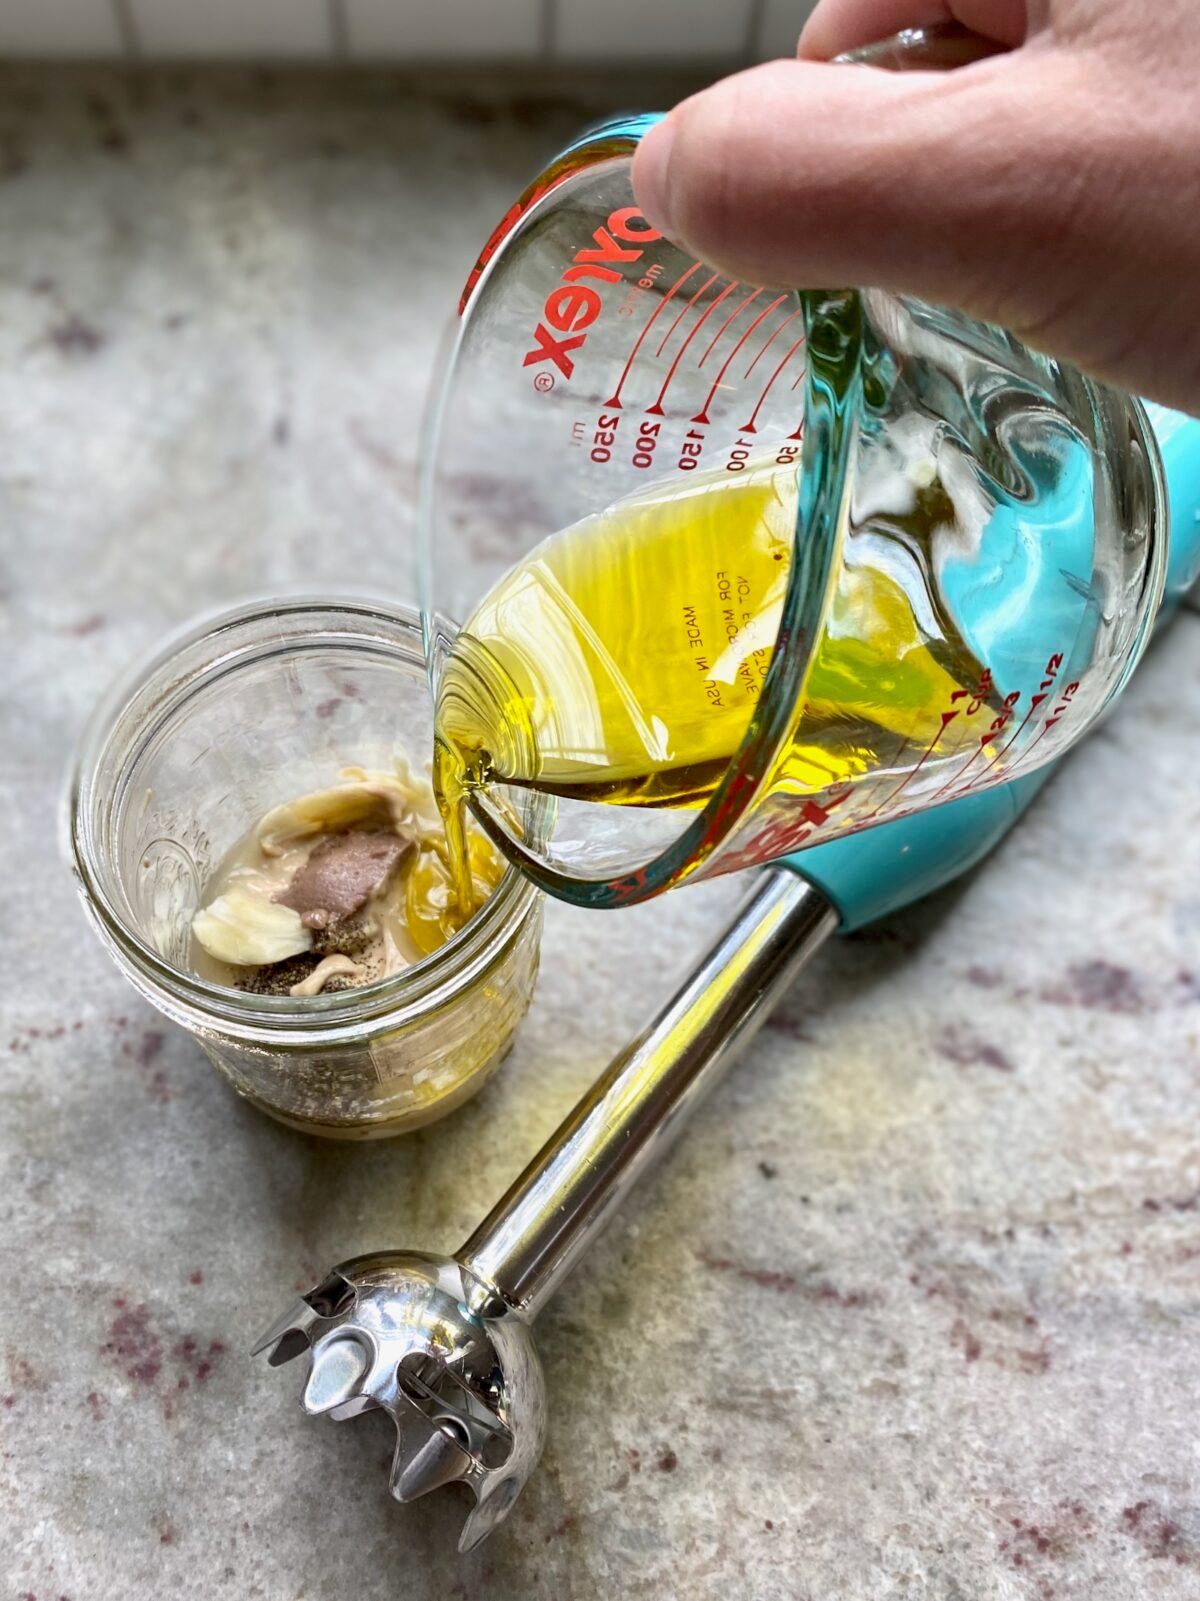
[549, 29]
[756, 20]
[127, 29]
[339, 29]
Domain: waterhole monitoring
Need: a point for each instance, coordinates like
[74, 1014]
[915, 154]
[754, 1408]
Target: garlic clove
[245, 930]
[325, 811]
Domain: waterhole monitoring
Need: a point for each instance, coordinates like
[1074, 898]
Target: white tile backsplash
[721, 31]
[79, 29]
[444, 30]
[654, 30]
[232, 29]
[780, 27]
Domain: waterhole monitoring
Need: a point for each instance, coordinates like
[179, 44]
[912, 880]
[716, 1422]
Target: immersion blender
[443, 1345]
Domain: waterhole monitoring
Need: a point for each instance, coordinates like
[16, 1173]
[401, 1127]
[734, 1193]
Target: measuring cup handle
[937, 47]
[524, 1249]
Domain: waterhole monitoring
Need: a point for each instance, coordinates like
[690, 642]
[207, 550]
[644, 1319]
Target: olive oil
[621, 661]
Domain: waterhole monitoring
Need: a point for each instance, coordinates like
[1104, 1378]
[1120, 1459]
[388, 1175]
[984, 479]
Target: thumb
[815, 175]
[1011, 189]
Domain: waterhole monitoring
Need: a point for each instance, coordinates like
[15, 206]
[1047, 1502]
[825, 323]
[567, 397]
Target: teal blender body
[870, 874]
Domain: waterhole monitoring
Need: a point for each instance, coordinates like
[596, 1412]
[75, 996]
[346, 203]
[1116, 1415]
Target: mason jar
[243, 712]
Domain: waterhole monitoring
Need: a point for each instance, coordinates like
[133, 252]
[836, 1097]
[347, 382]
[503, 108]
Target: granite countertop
[914, 1309]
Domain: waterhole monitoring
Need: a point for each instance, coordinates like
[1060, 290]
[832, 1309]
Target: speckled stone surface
[914, 1310]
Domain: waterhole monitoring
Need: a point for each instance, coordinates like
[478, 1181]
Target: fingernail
[651, 175]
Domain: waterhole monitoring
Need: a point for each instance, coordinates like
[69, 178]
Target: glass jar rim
[346, 1015]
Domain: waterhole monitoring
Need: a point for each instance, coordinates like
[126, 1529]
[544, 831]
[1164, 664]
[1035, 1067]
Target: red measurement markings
[960, 774]
[947, 719]
[986, 684]
[666, 338]
[656, 410]
[799, 379]
[604, 438]
[1039, 735]
[769, 342]
[1035, 700]
[690, 451]
[997, 726]
[732, 317]
[702, 414]
[615, 403]
[975, 701]
[789, 830]
[751, 426]
[1068, 695]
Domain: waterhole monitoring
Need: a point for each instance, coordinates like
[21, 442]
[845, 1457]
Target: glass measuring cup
[975, 537]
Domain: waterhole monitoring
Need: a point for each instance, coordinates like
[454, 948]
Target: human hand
[1053, 188]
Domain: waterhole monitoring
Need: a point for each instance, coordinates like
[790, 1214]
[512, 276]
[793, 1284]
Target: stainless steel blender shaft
[443, 1344]
[520, 1253]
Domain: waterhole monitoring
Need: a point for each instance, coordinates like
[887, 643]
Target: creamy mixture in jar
[337, 888]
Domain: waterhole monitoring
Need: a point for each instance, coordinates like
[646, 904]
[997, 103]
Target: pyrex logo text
[572, 306]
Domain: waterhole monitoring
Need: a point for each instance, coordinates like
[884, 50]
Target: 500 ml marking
[572, 306]
[647, 443]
